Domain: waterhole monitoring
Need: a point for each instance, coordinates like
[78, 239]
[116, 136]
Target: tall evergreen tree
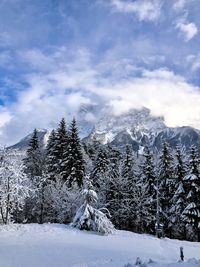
[74, 162]
[35, 162]
[148, 173]
[179, 199]
[191, 214]
[127, 163]
[148, 183]
[60, 148]
[126, 184]
[113, 191]
[165, 186]
[33, 156]
[99, 174]
[51, 156]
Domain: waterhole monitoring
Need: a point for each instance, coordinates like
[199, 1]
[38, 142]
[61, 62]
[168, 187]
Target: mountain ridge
[136, 127]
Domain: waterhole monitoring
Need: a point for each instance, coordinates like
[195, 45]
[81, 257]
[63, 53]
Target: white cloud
[188, 30]
[179, 5]
[59, 91]
[194, 61]
[5, 118]
[162, 92]
[144, 9]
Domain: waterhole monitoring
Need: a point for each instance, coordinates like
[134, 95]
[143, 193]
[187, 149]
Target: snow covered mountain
[23, 143]
[136, 127]
[139, 128]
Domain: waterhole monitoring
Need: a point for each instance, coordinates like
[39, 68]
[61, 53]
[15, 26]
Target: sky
[56, 55]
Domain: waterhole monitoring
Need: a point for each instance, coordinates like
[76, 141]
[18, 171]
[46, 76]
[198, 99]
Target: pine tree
[99, 174]
[51, 156]
[74, 162]
[130, 205]
[148, 173]
[127, 164]
[148, 183]
[191, 214]
[165, 186]
[36, 169]
[34, 143]
[113, 190]
[126, 182]
[141, 210]
[33, 156]
[179, 199]
[90, 218]
[60, 148]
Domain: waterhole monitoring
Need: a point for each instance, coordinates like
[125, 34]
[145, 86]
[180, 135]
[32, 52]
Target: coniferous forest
[154, 192]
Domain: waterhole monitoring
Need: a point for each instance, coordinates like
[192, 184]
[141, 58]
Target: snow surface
[54, 245]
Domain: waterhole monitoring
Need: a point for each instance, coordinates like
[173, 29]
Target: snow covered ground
[53, 245]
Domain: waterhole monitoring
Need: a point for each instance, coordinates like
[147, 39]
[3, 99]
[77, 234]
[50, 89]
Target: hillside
[61, 246]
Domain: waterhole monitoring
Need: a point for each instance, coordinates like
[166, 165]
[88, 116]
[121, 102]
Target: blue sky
[56, 55]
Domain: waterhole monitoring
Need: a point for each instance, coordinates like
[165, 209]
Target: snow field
[54, 245]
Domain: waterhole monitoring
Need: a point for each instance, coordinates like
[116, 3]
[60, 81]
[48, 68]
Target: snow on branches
[14, 184]
[89, 218]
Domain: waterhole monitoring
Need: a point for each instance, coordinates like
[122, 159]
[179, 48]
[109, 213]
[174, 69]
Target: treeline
[143, 193]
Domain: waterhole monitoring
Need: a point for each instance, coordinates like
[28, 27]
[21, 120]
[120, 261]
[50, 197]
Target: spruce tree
[33, 155]
[89, 218]
[148, 183]
[148, 173]
[74, 162]
[99, 174]
[114, 190]
[165, 186]
[179, 199]
[191, 214]
[127, 164]
[35, 162]
[51, 156]
[60, 148]
[126, 184]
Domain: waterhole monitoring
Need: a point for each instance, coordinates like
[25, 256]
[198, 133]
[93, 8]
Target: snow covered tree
[141, 210]
[74, 161]
[113, 190]
[35, 162]
[148, 184]
[51, 157]
[166, 184]
[34, 156]
[90, 218]
[179, 199]
[121, 185]
[15, 187]
[148, 173]
[100, 171]
[100, 175]
[127, 163]
[191, 213]
[62, 201]
[60, 148]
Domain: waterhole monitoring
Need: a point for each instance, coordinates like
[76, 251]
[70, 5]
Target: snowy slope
[61, 246]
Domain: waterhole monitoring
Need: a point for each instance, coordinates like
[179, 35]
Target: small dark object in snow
[138, 261]
[181, 254]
